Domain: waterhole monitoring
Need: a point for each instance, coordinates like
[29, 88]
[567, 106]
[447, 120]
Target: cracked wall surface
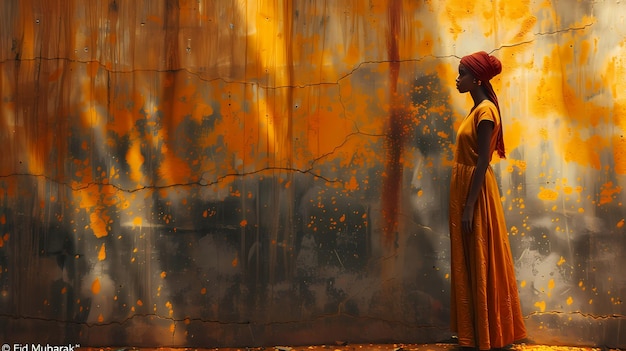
[238, 173]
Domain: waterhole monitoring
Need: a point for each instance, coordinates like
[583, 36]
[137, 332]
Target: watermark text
[39, 347]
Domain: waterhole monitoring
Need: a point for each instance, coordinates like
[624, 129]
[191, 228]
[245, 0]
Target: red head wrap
[484, 67]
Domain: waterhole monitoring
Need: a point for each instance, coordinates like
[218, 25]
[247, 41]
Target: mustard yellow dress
[485, 301]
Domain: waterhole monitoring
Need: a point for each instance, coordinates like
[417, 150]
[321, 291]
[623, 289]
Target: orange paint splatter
[139, 303]
[135, 160]
[570, 300]
[163, 275]
[585, 152]
[353, 184]
[541, 305]
[619, 153]
[102, 254]
[561, 261]
[99, 223]
[547, 194]
[620, 224]
[608, 190]
[95, 287]
[173, 169]
[235, 262]
[243, 223]
[203, 291]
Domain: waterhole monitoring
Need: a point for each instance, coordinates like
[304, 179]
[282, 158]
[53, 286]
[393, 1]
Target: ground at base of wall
[340, 346]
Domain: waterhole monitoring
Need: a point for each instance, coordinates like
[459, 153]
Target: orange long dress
[485, 301]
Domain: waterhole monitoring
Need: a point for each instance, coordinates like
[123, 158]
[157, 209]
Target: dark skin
[466, 82]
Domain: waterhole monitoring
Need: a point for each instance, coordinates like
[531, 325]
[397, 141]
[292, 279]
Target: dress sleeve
[487, 112]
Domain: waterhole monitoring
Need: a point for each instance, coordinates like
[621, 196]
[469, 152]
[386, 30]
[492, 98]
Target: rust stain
[395, 135]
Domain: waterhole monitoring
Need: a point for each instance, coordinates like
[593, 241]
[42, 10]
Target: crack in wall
[298, 321]
[310, 170]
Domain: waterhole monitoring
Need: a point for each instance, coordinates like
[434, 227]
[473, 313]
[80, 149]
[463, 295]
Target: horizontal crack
[580, 313]
[167, 186]
[202, 320]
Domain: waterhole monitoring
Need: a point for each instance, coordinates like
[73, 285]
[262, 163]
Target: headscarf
[484, 67]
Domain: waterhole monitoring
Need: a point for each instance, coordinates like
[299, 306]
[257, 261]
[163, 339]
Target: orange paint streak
[137, 221]
[95, 287]
[55, 75]
[135, 160]
[609, 190]
[456, 11]
[174, 170]
[619, 153]
[99, 223]
[102, 255]
[425, 46]
[92, 69]
[352, 184]
[585, 152]
[541, 305]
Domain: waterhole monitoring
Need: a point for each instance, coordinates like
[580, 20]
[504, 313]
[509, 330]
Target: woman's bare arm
[485, 129]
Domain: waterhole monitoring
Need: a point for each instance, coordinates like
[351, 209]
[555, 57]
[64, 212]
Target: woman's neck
[478, 95]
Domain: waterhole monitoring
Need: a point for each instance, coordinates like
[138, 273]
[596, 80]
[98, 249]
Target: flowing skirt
[485, 308]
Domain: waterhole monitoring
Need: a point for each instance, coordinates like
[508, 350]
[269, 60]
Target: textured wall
[212, 173]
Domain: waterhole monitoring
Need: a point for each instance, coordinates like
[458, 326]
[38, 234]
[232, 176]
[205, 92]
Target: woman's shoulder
[486, 105]
[487, 110]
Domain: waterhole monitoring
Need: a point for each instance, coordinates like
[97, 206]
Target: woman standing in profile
[486, 311]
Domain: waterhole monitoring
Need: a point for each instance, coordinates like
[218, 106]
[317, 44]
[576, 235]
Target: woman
[485, 307]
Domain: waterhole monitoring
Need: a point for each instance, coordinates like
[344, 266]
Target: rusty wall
[241, 173]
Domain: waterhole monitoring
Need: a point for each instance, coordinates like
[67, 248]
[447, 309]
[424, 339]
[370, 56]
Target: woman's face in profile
[465, 80]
